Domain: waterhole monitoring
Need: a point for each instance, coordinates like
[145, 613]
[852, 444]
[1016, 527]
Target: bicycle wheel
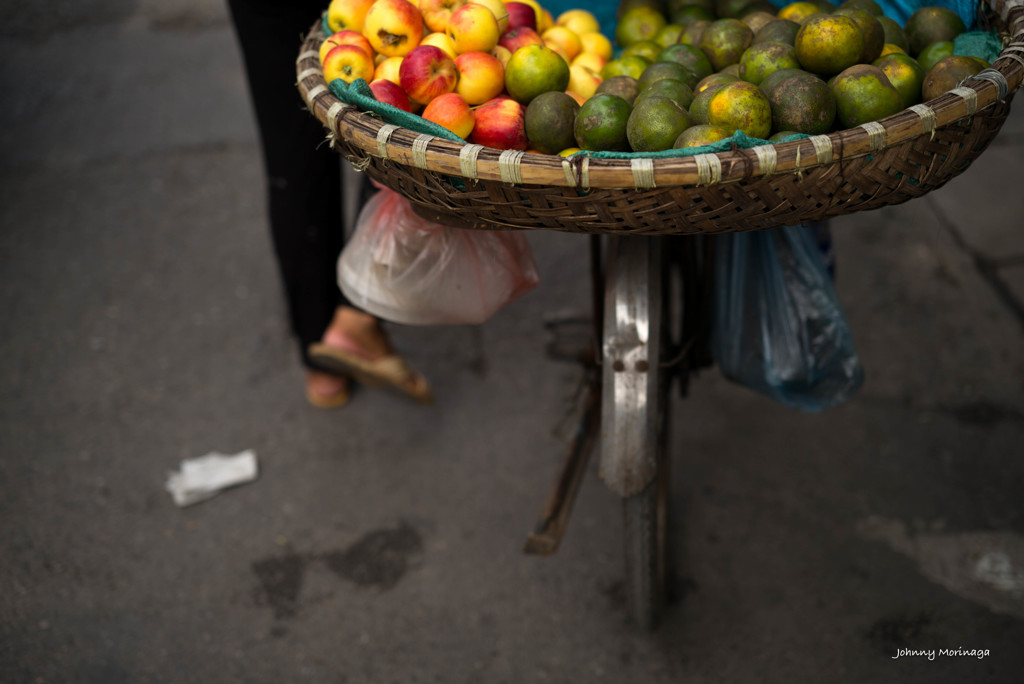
[633, 441]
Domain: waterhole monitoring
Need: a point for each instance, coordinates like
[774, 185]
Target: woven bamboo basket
[890, 161]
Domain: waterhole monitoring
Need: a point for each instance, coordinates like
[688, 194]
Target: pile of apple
[446, 59]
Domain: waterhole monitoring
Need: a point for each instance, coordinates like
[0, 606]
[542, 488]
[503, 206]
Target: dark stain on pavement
[280, 581]
[983, 413]
[379, 558]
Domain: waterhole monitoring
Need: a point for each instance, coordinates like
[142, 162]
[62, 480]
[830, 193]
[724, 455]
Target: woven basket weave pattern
[899, 158]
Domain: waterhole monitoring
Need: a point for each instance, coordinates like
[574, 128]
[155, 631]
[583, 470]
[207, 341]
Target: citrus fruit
[549, 122]
[931, 55]
[624, 86]
[729, 9]
[930, 25]
[724, 41]
[533, 70]
[782, 135]
[776, 77]
[948, 73]
[694, 31]
[688, 56]
[757, 20]
[633, 65]
[626, 5]
[778, 31]
[655, 123]
[741, 106]
[863, 94]
[670, 88]
[871, 30]
[764, 58]
[798, 11]
[803, 104]
[669, 35]
[601, 123]
[714, 80]
[905, 74]
[699, 106]
[893, 32]
[647, 49]
[660, 70]
[639, 23]
[869, 6]
[691, 13]
[890, 48]
[701, 135]
[828, 44]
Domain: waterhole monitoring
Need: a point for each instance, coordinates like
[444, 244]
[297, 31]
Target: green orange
[741, 106]
[828, 44]
[533, 70]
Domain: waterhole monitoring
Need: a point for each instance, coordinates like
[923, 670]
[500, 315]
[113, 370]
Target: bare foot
[325, 390]
[357, 332]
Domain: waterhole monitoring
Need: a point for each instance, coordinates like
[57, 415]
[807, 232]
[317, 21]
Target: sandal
[389, 371]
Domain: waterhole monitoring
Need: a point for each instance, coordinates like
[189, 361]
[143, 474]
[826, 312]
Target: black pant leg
[303, 175]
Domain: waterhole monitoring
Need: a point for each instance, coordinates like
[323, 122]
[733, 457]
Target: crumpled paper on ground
[206, 476]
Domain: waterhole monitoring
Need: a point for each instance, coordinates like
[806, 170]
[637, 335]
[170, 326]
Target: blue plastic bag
[778, 326]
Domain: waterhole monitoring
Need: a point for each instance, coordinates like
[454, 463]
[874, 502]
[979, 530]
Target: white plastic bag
[402, 268]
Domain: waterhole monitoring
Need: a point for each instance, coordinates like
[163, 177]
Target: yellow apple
[441, 40]
[348, 62]
[345, 37]
[579, 21]
[596, 43]
[592, 61]
[502, 53]
[388, 70]
[481, 77]
[564, 38]
[393, 27]
[497, 8]
[473, 28]
[583, 81]
[347, 14]
[437, 12]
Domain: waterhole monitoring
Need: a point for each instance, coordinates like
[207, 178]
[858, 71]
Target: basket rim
[374, 137]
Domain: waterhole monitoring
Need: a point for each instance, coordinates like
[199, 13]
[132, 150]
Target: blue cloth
[604, 10]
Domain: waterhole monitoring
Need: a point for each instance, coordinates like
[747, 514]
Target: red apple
[452, 112]
[520, 14]
[391, 93]
[500, 123]
[514, 39]
[481, 77]
[426, 72]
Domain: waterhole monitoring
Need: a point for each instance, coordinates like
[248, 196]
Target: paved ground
[143, 324]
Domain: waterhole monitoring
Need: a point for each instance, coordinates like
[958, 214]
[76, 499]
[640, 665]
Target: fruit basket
[879, 163]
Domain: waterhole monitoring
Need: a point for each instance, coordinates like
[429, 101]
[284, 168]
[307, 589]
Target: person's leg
[303, 175]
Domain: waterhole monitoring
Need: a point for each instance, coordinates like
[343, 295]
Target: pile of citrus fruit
[688, 72]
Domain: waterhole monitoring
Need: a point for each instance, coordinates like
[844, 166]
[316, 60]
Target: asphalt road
[143, 324]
